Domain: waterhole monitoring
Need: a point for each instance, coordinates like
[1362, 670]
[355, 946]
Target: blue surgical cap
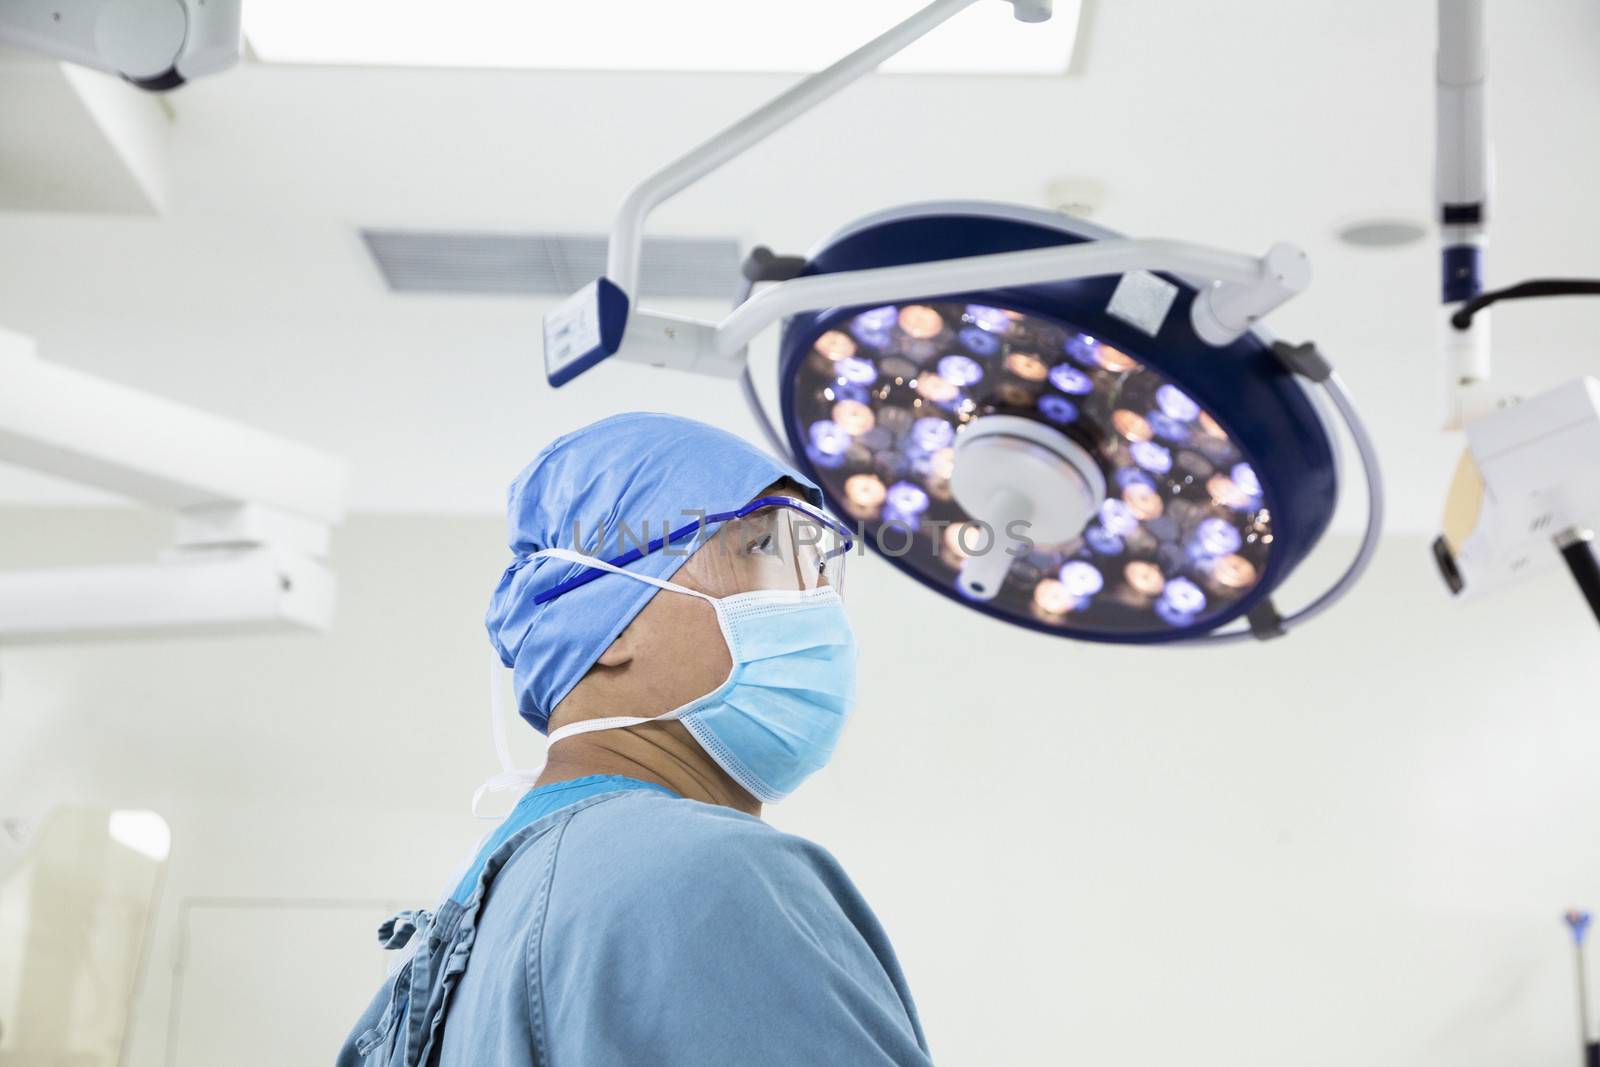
[636, 468]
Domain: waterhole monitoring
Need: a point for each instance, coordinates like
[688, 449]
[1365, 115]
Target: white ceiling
[1235, 122]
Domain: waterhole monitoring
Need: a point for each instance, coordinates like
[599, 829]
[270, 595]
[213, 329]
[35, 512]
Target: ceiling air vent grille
[421, 261]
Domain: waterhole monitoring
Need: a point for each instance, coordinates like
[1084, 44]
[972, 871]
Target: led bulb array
[1182, 533]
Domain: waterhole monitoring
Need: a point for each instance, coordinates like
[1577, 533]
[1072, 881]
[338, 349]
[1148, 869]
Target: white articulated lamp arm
[627, 233]
[1249, 286]
[1243, 289]
[591, 325]
[604, 318]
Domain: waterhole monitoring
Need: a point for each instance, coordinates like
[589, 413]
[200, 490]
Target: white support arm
[603, 319]
[253, 511]
[85, 429]
[1249, 285]
[678, 343]
[249, 590]
[1244, 288]
[591, 324]
[622, 262]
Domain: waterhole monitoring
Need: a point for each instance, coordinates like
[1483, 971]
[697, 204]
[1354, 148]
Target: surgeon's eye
[759, 546]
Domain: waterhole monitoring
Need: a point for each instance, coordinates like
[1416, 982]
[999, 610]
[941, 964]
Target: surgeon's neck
[662, 753]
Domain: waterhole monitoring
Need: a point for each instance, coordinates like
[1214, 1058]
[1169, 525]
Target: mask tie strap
[600, 564]
[511, 776]
[716, 603]
[497, 712]
[615, 722]
[612, 722]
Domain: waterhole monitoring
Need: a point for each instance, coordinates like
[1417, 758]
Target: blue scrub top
[609, 921]
[535, 805]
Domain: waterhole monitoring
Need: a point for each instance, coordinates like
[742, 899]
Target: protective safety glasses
[772, 543]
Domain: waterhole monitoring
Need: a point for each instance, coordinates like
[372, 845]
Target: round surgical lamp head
[1060, 456]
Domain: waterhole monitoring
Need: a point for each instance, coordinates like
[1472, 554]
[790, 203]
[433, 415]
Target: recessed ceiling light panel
[687, 35]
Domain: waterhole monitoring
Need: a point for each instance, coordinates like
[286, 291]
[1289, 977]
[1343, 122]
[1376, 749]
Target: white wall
[1349, 847]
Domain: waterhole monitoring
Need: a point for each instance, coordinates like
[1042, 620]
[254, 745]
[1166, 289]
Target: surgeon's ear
[618, 654]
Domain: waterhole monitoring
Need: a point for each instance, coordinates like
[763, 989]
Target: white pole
[1463, 168]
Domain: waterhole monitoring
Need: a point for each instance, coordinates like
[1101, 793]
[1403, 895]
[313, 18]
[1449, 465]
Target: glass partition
[75, 910]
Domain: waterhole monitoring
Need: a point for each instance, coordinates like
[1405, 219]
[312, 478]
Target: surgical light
[1074, 389]
[1135, 457]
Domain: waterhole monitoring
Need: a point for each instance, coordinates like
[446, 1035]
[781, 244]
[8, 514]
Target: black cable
[758, 411]
[1579, 552]
[1524, 291]
[763, 265]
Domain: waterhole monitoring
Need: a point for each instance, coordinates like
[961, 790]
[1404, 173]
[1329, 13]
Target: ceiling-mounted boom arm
[253, 511]
[603, 320]
[627, 232]
[1461, 180]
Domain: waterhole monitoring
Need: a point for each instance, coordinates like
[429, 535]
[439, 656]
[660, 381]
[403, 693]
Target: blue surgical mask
[778, 717]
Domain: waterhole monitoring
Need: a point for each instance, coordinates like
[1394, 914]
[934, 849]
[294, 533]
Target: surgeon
[675, 623]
